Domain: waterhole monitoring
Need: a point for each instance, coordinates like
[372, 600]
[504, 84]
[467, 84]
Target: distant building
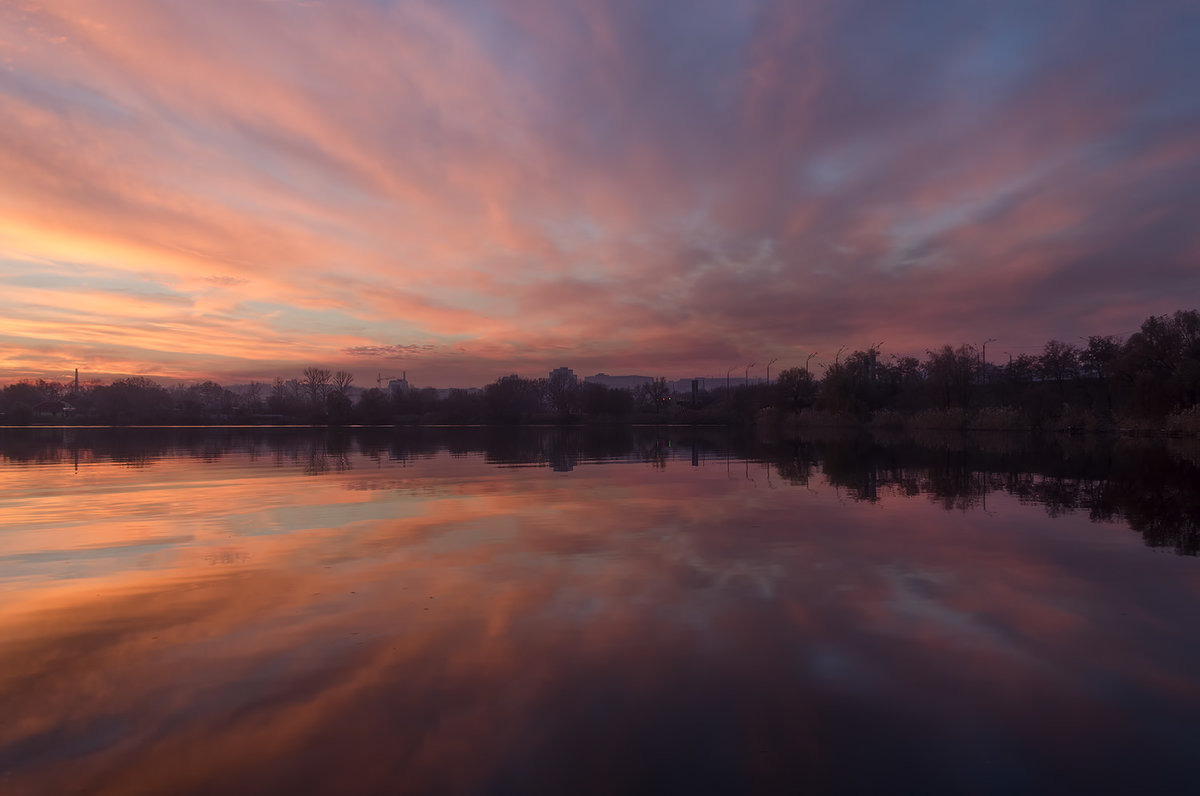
[564, 373]
[399, 386]
[618, 382]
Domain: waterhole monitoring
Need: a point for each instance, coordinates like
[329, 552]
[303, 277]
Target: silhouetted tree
[338, 408]
[279, 401]
[1153, 374]
[18, 400]
[796, 389]
[463, 406]
[254, 393]
[563, 392]
[1058, 363]
[1021, 369]
[374, 407]
[599, 400]
[904, 382]
[852, 385]
[948, 374]
[1098, 357]
[513, 399]
[135, 400]
[1159, 366]
[342, 381]
[316, 384]
[656, 394]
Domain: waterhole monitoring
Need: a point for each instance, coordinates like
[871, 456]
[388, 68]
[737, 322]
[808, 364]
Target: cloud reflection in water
[441, 624]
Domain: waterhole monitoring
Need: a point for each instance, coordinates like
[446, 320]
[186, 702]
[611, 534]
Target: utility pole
[983, 357]
[769, 364]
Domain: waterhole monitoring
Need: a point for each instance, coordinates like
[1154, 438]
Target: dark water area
[602, 610]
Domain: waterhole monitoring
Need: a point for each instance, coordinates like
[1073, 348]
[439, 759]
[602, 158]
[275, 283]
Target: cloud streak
[523, 184]
[389, 351]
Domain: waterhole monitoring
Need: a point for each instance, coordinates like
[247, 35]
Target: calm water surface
[464, 611]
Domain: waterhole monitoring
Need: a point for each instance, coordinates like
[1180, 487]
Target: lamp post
[810, 357]
[752, 364]
[769, 364]
[727, 381]
[983, 357]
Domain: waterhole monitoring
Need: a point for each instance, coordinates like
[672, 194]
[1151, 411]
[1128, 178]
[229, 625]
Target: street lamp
[727, 379]
[752, 364]
[983, 357]
[769, 364]
[810, 357]
[874, 352]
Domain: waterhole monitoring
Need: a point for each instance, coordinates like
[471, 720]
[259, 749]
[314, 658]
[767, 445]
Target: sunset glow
[286, 611]
[236, 190]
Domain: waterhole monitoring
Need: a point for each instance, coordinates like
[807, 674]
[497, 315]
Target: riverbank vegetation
[1149, 382]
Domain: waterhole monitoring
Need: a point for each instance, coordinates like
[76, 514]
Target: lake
[595, 611]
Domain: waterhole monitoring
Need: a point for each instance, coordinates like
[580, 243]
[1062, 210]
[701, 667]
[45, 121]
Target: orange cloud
[533, 184]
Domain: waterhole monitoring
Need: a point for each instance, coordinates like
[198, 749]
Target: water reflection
[623, 610]
[1151, 484]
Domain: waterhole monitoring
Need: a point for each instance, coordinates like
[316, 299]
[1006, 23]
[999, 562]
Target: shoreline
[787, 430]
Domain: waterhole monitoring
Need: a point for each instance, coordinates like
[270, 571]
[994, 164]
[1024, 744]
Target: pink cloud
[591, 180]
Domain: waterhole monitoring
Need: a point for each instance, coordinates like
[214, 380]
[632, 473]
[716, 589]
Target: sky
[460, 190]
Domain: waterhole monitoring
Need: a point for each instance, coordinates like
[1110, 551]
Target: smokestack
[76, 379]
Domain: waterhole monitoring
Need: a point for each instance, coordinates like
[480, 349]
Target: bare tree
[563, 392]
[1059, 362]
[657, 393]
[948, 374]
[316, 384]
[341, 382]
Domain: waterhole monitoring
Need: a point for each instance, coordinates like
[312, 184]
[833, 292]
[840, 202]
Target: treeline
[1149, 381]
[322, 397]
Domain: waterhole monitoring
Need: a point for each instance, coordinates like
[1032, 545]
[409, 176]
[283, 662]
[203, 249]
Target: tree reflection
[1153, 486]
[1150, 484]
